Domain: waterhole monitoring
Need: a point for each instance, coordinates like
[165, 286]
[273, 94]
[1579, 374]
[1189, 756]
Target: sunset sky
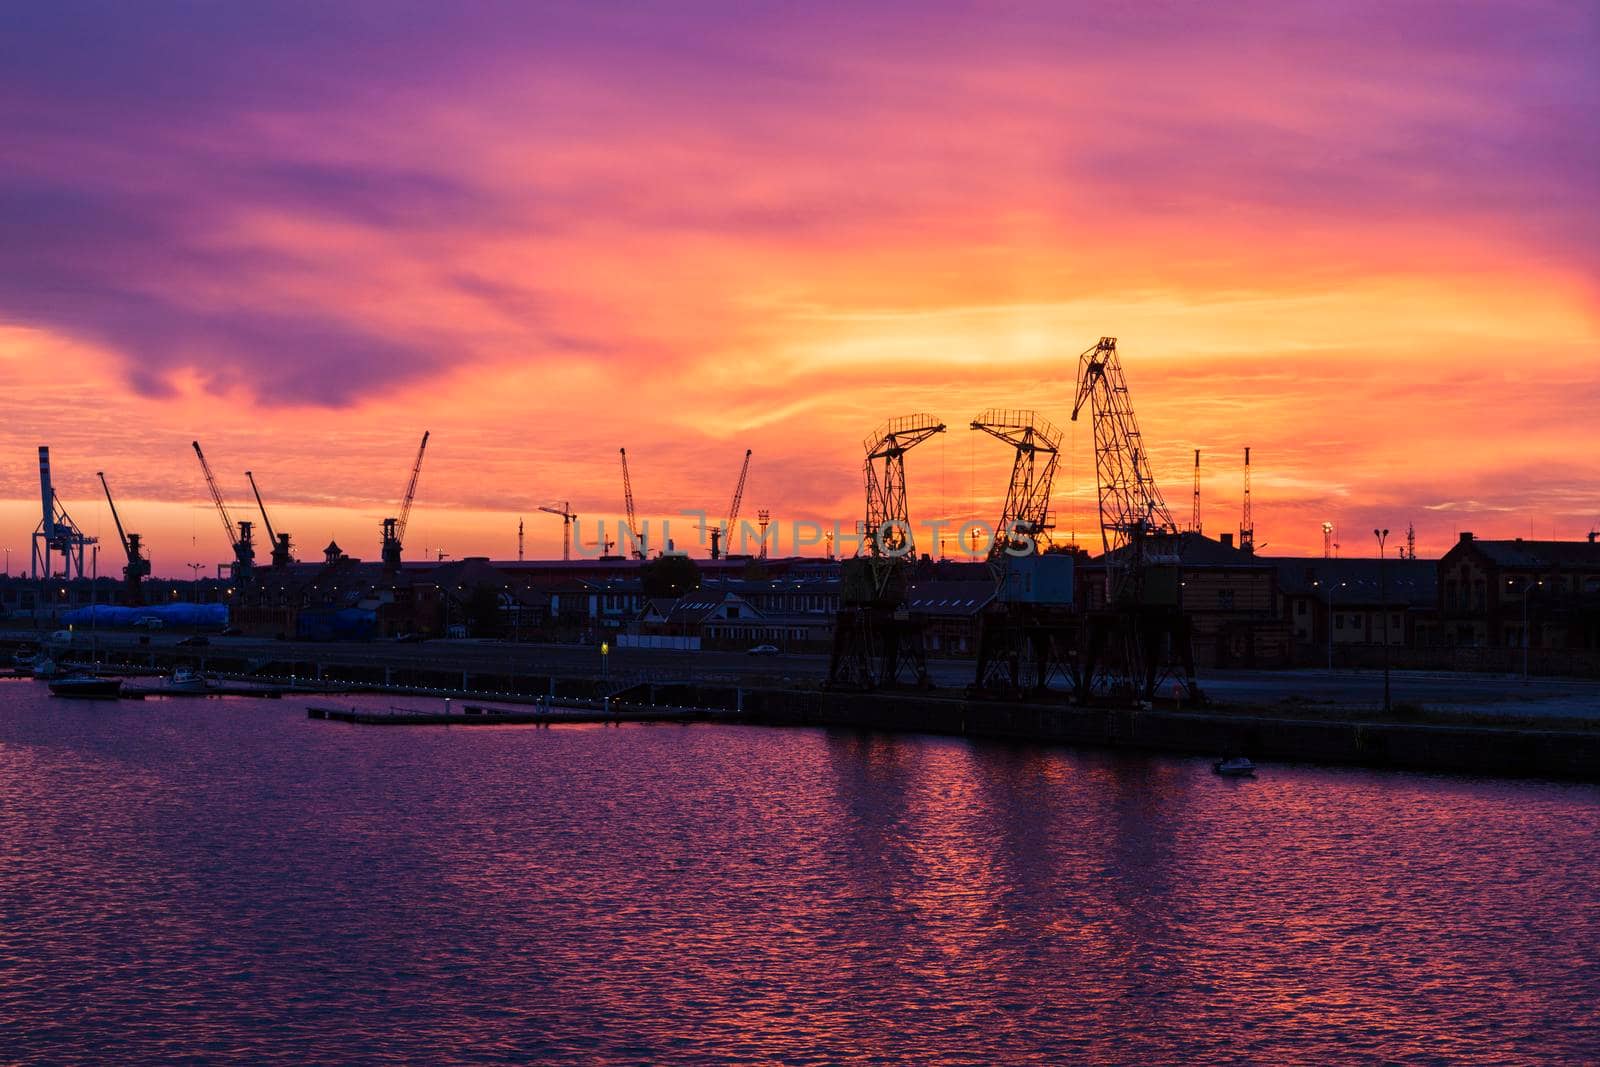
[1363, 239]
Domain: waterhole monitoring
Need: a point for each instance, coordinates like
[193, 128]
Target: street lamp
[1526, 588]
[1330, 621]
[1383, 606]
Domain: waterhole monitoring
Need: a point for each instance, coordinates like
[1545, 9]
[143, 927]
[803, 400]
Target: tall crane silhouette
[875, 641]
[241, 535]
[726, 529]
[639, 547]
[1025, 517]
[564, 509]
[280, 542]
[394, 529]
[1141, 636]
[138, 567]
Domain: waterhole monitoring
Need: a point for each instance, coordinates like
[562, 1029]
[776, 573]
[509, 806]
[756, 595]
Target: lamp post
[1527, 587]
[1383, 606]
[1330, 622]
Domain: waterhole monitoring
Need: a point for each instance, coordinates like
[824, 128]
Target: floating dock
[479, 715]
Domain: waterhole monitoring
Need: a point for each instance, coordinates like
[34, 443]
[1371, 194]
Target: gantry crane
[887, 531]
[1029, 634]
[241, 535]
[56, 533]
[1130, 503]
[564, 509]
[138, 567]
[639, 547]
[280, 542]
[1024, 526]
[874, 640]
[1140, 636]
[717, 533]
[394, 530]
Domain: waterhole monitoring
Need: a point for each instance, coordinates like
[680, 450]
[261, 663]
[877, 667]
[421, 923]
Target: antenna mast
[1247, 522]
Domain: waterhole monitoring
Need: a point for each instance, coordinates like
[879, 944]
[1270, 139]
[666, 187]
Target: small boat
[1234, 767]
[45, 668]
[86, 686]
[188, 680]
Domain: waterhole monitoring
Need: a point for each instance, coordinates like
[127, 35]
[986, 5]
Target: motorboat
[188, 680]
[1234, 767]
[86, 686]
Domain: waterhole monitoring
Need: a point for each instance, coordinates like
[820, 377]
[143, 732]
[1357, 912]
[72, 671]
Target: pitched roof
[1198, 550]
[949, 597]
[1573, 555]
[1413, 582]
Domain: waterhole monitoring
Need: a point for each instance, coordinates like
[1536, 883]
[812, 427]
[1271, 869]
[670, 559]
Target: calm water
[225, 880]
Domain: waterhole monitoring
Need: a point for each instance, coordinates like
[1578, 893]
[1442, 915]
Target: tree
[669, 576]
[482, 610]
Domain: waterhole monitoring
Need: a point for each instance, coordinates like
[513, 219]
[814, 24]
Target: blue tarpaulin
[172, 616]
[342, 624]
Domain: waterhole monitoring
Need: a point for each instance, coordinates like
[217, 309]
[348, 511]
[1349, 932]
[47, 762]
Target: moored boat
[1234, 767]
[188, 680]
[86, 686]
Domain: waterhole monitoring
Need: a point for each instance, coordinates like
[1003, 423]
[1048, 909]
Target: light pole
[1527, 587]
[1383, 606]
[1330, 623]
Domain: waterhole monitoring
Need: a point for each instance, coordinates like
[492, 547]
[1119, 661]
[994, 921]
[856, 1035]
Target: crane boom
[216, 494]
[627, 500]
[738, 496]
[411, 490]
[1130, 502]
[271, 533]
[121, 536]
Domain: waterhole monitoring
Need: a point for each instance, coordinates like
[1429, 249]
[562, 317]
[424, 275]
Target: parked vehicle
[148, 622]
[764, 650]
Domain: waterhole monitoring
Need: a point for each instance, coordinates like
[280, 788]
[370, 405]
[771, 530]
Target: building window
[1338, 622]
[1225, 599]
[1300, 607]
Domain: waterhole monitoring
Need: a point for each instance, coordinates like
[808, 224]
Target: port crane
[1140, 636]
[718, 533]
[280, 542]
[138, 568]
[1024, 525]
[639, 547]
[564, 509]
[1030, 633]
[240, 536]
[56, 532]
[875, 639]
[887, 531]
[394, 529]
